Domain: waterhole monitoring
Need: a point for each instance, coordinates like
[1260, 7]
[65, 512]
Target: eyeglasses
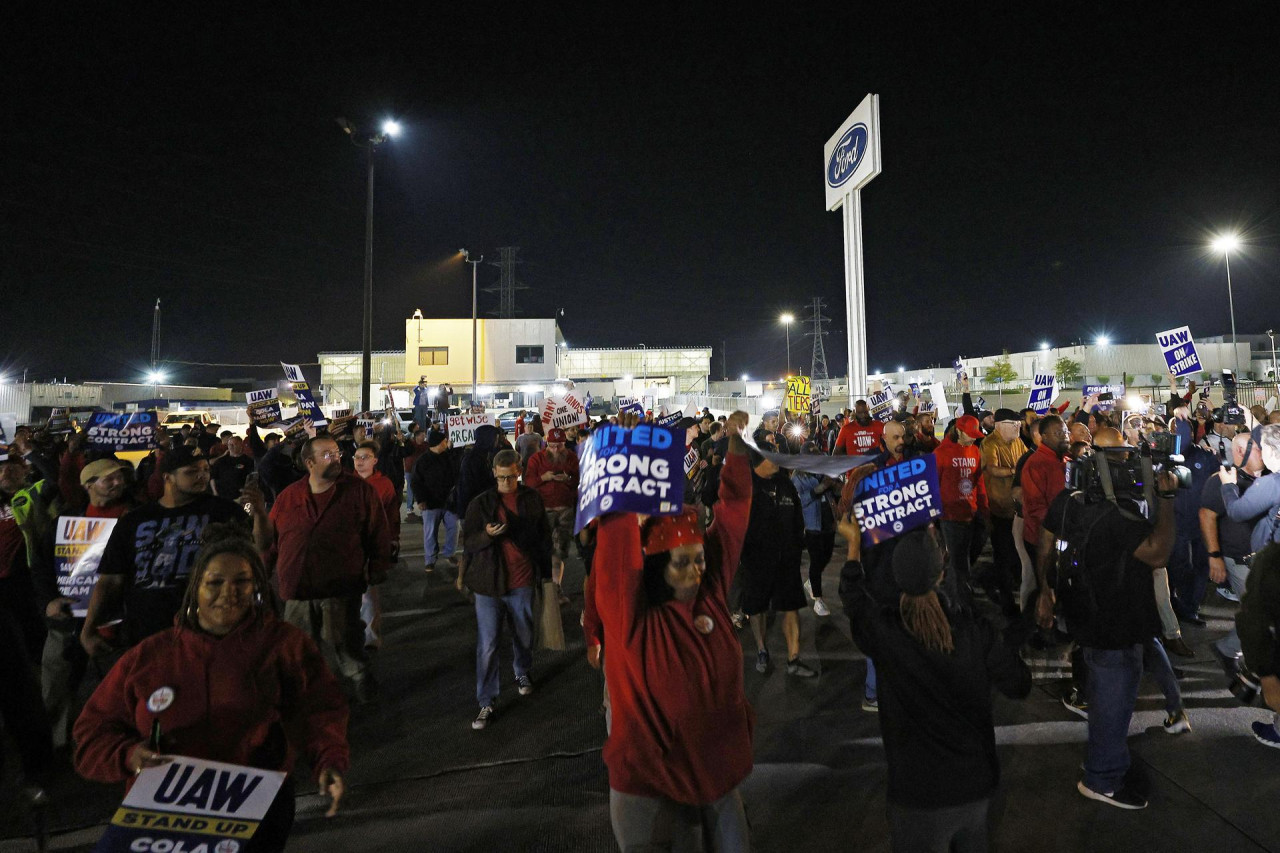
[506, 477]
[366, 457]
[331, 454]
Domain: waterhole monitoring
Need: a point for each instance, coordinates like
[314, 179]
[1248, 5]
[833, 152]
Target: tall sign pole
[852, 158]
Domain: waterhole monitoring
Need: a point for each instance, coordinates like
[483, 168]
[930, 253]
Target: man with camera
[1104, 581]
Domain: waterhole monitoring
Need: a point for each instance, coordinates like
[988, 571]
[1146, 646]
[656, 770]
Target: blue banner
[121, 432]
[630, 404]
[1180, 351]
[1116, 391]
[897, 498]
[671, 420]
[630, 470]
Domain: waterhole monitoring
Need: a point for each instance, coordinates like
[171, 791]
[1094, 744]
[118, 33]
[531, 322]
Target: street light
[1226, 244]
[786, 320]
[1044, 346]
[474, 264]
[1102, 340]
[1275, 376]
[390, 129]
[745, 378]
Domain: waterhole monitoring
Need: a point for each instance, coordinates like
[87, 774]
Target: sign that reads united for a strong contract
[121, 432]
[1042, 393]
[462, 428]
[630, 470]
[897, 498]
[1180, 351]
[189, 805]
[78, 543]
[562, 411]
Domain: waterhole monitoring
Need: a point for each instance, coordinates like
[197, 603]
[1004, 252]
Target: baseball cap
[556, 436]
[1003, 415]
[968, 425]
[434, 437]
[99, 468]
[181, 458]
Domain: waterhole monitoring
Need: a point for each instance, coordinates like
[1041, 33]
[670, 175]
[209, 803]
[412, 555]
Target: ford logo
[847, 155]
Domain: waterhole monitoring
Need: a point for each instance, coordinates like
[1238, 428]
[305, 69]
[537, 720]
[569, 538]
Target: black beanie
[917, 562]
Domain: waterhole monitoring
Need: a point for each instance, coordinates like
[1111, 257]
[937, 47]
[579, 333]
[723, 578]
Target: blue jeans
[1188, 570]
[489, 610]
[1237, 574]
[422, 415]
[959, 536]
[1112, 693]
[408, 494]
[430, 519]
[1155, 663]
[869, 686]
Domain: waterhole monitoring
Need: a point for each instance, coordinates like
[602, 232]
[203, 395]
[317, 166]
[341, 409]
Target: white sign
[1179, 351]
[462, 428]
[851, 158]
[938, 397]
[1043, 390]
[563, 411]
[293, 373]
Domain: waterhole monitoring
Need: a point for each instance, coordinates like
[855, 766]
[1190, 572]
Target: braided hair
[917, 569]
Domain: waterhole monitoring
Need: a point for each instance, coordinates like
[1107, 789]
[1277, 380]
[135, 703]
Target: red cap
[556, 436]
[664, 532]
[969, 425]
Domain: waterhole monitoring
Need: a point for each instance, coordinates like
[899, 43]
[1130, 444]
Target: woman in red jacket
[230, 682]
[681, 738]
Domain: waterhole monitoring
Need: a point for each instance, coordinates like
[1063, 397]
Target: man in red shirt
[332, 542]
[964, 498]
[860, 435]
[507, 540]
[365, 461]
[1044, 474]
[553, 473]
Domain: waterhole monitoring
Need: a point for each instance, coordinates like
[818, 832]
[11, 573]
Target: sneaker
[1177, 723]
[739, 619]
[1266, 734]
[820, 607]
[799, 670]
[1230, 663]
[1076, 704]
[871, 706]
[482, 719]
[1179, 647]
[1228, 594]
[1122, 799]
[808, 589]
[762, 661]
[524, 685]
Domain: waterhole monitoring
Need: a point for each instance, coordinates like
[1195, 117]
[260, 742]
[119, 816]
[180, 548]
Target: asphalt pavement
[422, 780]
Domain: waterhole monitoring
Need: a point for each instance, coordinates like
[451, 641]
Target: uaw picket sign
[562, 411]
[897, 498]
[121, 432]
[307, 404]
[191, 806]
[1043, 390]
[462, 428]
[851, 158]
[264, 407]
[1180, 351]
[78, 543]
[630, 470]
[798, 393]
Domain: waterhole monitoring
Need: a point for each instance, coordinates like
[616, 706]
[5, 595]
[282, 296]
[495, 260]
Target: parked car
[507, 419]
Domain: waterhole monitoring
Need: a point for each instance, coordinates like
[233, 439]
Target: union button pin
[704, 623]
[160, 700]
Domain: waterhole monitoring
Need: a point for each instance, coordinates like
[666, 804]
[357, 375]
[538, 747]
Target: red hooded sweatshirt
[681, 724]
[254, 697]
[959, 479]
[1044, 474]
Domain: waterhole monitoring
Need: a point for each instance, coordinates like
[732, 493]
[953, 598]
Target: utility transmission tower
[507, 285]
[818, 370]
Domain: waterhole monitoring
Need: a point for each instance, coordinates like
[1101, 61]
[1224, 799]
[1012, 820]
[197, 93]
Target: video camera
[1127, 471]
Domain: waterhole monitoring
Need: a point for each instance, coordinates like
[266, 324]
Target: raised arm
[734, 507]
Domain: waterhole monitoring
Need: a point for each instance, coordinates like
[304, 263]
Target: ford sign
[847, 155]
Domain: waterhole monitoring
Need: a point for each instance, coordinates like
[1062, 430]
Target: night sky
[1051, 171]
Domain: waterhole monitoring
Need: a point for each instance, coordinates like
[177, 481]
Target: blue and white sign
[630, 470]
[915, 388]
[671, 420]
[631, 404]
[881, 404]
[1043, 390]
[307, 405]
[121, 432]
[78, 543]
[1115, 389]
[851, 157]
[982, 403]
[1179, 351]
[897, 498]
[847, 155]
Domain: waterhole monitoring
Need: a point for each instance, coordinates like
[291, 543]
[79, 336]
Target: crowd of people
[238, 567]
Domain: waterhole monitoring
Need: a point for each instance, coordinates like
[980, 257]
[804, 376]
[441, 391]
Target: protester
[964, 499]
[553, 473]
[366, 460]
[528, 442]
[422, 403]
[815, 493]
[680, 743]
[938, 663]
[1256, 621]
[1262, 501]
[230, 471]
[1001, 451]
[414, 448]
[1189, 562]
[1227, 540]
[246, 688]
[861, 435]
[770, 569]
[507, 538]
[434, 476]
[1043, 477]
[22, 508]
[331, 542]
[926, 441]
[146, 560]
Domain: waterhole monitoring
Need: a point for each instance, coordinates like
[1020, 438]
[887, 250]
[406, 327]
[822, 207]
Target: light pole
[390, 129]
[1275, 376]
[644, 366]
[474, 265]
[1226, 244]
[786, 320]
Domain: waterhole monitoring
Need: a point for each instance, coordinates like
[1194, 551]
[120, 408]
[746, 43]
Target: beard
[332, 471]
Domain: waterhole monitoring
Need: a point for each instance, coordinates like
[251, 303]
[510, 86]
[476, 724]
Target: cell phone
[252, 479]
[1105, 396]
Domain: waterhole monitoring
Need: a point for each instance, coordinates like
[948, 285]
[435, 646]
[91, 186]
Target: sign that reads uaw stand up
[191, 806]
[78, 543]
[121, 432]
[562, 411]
[462, 428]
[897, 498]
[1180, 351]
[630, 470]
[851, 158]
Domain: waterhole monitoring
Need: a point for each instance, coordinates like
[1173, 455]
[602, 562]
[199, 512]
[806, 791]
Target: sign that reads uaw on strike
[562, 411]
[462, 428]
[1180, 351]
[189, 805]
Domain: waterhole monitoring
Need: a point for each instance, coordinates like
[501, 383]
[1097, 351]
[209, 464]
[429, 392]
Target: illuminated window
[529, 355]
[431, 356]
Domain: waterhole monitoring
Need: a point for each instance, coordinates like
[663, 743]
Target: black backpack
[1076, 582]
